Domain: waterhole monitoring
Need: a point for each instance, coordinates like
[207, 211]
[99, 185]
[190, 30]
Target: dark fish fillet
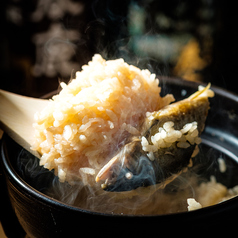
[133, 167]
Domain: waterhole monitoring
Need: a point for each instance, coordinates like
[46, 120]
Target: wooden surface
[17, 116]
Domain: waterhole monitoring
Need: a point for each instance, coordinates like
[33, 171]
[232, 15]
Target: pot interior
[219, 140]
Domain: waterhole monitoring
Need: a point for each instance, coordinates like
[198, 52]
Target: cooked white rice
[167, 135]
[193, 204]
[83, 126]
[210, 193]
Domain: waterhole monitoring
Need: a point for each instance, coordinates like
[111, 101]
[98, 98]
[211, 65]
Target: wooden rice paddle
[17, 116]
[123, 171]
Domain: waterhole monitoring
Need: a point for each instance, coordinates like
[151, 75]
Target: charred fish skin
[173, 159]
[180, 113]
[132, 167]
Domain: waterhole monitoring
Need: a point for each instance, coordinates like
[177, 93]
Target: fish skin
[181, 112]
[133, 162]
[146, 172]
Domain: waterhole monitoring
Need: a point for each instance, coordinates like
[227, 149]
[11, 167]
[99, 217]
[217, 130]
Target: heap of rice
[83, 126]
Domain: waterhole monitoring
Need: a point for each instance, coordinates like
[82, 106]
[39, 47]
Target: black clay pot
[42, 216]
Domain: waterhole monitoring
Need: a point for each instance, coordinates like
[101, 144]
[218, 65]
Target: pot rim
[29, 191]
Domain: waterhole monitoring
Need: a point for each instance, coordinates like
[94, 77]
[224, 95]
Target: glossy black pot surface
[43, 216]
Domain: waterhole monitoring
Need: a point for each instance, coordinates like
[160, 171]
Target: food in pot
[112, 109]
[111, 124]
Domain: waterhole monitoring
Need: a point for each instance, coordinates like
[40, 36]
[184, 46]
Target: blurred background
[44, 42]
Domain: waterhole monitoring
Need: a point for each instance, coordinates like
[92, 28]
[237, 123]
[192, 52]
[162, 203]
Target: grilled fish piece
[169, 137]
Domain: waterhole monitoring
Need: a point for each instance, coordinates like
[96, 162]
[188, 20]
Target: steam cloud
[144, 200]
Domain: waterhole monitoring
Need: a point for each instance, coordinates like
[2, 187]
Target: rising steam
[143, 200]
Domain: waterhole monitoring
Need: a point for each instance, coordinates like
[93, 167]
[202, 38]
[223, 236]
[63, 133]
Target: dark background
[195, 40]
